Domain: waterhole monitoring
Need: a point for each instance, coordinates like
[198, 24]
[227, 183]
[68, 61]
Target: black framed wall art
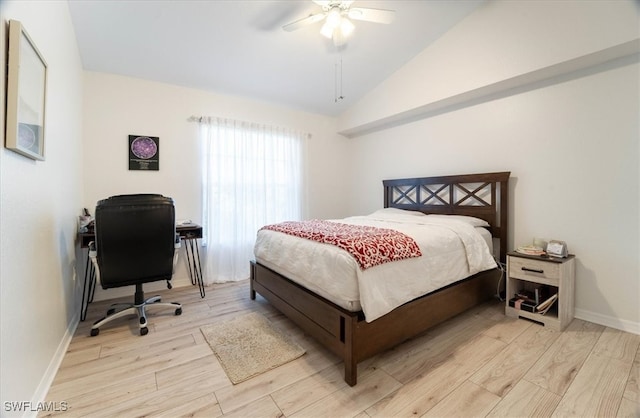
[144, 153]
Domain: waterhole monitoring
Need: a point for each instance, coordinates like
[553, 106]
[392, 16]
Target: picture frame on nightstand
[557, 249]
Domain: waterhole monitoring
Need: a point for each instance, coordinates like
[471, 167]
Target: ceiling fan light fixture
[334, 16]
[337, 27]
[332, 22]
[327, 30]
[337, 15]
[342, 32]
[346, 27]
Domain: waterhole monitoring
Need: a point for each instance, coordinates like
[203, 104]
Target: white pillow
[467, 219]
[398, 211]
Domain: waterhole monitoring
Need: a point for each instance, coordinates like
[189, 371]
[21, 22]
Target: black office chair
[136, 243]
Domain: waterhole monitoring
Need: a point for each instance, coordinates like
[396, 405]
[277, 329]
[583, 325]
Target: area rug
[249, 345]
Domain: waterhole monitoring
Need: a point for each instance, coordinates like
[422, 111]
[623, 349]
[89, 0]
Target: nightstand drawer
[534, 270]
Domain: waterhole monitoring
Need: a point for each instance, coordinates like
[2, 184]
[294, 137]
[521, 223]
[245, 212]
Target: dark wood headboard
[484, 196]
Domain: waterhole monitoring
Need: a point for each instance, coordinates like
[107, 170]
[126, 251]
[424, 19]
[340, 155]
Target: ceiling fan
[337, 15]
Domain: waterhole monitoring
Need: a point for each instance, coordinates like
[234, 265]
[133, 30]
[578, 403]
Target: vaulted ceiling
[239, 47]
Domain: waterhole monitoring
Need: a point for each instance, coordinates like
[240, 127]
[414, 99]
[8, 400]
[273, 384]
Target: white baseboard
[47, 379]
[608, 321]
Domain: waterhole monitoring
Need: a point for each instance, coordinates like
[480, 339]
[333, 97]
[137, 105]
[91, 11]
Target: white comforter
[451, 250]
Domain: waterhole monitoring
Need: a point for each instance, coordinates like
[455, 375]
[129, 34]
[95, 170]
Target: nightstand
[550, 275]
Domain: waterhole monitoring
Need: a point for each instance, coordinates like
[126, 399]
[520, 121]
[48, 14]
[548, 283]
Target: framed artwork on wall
[144, 152]
[26, 93]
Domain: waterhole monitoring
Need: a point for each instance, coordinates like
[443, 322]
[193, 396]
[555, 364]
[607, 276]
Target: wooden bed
[346, 333]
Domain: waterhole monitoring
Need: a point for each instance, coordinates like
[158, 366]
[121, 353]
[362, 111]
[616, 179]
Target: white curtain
[252, 176]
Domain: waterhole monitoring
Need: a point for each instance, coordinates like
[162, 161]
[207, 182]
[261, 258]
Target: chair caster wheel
[95, 331]
[144, 331]
[179, 311]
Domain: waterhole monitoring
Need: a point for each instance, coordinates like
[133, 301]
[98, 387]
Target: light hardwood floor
[478, 364]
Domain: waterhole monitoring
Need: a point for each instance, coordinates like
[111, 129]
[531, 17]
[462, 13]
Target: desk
[189, 234]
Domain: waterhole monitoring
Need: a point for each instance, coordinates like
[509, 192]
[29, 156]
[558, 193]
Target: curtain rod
[200, 119]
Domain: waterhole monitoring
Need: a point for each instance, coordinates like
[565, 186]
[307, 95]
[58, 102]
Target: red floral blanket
[370, 246]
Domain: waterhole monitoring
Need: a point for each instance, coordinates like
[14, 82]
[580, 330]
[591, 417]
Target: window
[252, 176]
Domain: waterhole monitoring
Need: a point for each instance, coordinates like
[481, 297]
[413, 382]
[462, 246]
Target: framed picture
[144, 152]
[26, 91]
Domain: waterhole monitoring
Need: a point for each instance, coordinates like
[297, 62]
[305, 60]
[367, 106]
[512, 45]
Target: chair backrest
[135, 238]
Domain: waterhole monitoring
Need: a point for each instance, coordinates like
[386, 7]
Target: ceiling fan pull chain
[341, 96]
[335, 86]
[335, 82]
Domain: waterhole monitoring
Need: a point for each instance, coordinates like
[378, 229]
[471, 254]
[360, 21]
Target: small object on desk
[85, 221]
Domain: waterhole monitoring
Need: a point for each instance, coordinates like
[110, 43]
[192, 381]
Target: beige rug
[249, 345]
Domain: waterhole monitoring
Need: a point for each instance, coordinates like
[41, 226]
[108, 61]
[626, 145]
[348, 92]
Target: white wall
[581, 128]
[570, 142]
[116, 106]
[41, 200]
[500, 41]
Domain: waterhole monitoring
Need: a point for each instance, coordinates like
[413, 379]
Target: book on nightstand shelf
[544, 306]
[522, 302]
[535, 295]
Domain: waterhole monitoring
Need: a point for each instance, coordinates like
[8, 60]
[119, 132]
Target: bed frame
[346, 333]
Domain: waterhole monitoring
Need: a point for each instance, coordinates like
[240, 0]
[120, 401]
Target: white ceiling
[239, 48]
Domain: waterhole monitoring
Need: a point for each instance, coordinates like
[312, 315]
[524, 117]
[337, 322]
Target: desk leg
[193, 263]
[187, 243]
[88, 287]
[92, 281]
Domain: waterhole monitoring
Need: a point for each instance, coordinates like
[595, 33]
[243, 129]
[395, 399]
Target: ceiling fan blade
[290, 27]
[372, 15]
[325, 4]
